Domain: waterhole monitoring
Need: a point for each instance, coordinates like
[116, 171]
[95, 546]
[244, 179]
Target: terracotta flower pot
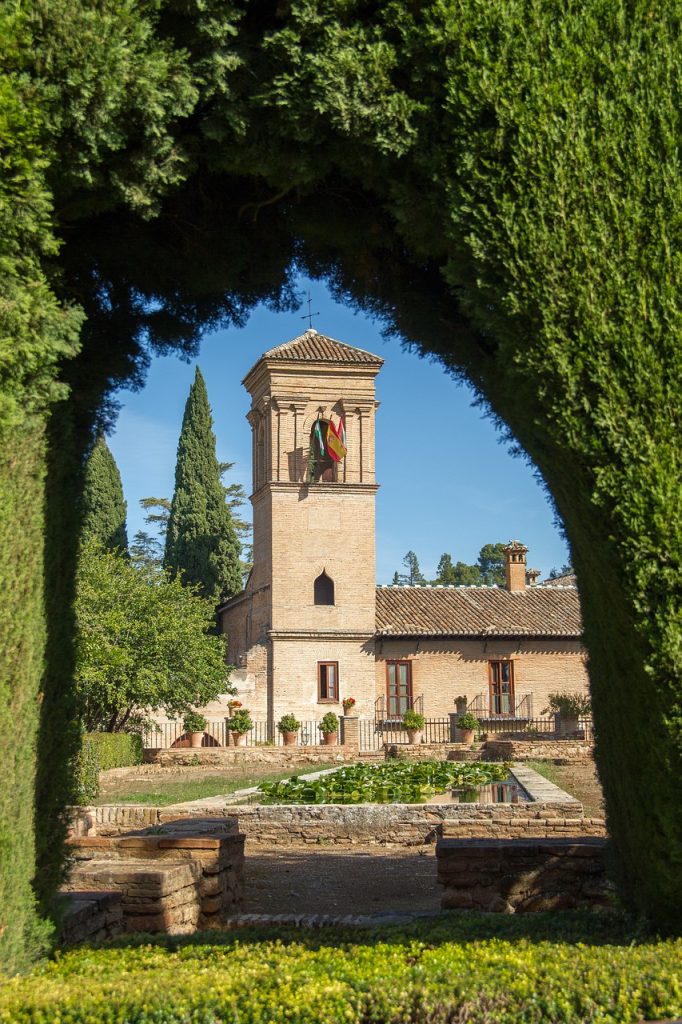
[195, 738]
[414, 735]
[329, 739]
[467, 735]
[239, 739]
[290, 739]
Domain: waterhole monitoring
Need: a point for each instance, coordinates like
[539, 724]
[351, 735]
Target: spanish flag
[335, 445]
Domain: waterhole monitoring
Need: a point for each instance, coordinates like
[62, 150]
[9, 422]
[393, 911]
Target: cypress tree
[201, 542]
[104, 507]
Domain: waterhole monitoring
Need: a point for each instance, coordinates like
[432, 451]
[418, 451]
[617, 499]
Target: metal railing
[534, 728]
[383, 714]
[520, 706]
[374, 734]
[216, 734]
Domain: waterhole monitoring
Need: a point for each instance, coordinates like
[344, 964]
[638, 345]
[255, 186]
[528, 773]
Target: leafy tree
[144, 643]
[563, 571]
[445, 572]
[466, 575]
[146, 550]
[201, 542]
[104, 507]
[491, 563]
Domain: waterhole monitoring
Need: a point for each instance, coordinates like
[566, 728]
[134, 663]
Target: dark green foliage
[499, 184]
[491, 564]
[100, 751]
[104, 507]
[568, 968]
[201, 543]
[487, 571]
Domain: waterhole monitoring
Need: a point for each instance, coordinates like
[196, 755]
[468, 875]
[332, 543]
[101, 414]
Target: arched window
[321, 466]
[324, 589]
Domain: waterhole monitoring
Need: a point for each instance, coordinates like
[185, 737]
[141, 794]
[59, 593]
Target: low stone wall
[432, 752]
[184, 875]
[568, 751]
[517, 876]
[91, 917]
[242, 756]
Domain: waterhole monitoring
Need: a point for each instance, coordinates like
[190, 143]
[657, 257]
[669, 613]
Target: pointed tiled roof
[478, 611]
[314, 347]
[567, 579]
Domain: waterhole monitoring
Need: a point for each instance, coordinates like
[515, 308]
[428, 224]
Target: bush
[240, 721]
[569, 705]
[468, 721]
[462, 969]
[288, 723]
[99, 752]
[193, 722]
[413, 720]
[329, 724]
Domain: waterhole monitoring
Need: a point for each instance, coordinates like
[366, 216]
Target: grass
[580, 780]
[569, 968]
[160, 792]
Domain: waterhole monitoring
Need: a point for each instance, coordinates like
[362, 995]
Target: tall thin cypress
[201, 543]
[104, 507]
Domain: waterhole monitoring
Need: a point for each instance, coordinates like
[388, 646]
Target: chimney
[532, 577]
[515, 566]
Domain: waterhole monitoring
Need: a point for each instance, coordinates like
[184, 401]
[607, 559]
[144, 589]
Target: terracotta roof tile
[315, 347]
[567, 579]
[478, 611]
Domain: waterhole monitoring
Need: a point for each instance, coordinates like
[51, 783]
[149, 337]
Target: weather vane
[309, 315]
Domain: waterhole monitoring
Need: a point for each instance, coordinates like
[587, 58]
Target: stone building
[311, 627]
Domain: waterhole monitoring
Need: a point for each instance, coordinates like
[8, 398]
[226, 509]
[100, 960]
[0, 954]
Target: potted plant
[414, 723]
[461, 705]
[289, 725]
[239, 724]
[329, 727]
[232, 705]
[194, 724]
[467, 725]
[567, 709]
[348, 705]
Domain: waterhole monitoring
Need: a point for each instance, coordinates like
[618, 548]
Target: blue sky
[448, 483]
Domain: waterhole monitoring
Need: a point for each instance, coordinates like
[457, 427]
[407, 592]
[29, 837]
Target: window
[398, 687]
[501, 675]
[324, 589]
[321, 466]
[328, 681]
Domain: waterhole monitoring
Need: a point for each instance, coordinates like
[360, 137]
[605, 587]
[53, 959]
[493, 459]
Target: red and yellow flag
[335, 445]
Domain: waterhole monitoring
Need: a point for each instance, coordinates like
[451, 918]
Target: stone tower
[302, 632]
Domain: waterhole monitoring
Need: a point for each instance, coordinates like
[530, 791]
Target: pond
[397, 782]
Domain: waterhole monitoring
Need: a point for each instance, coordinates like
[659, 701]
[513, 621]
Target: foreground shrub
[421, 974]
[100, 751]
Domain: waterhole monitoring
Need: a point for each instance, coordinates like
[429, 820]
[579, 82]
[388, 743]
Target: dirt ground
[580, 780]
[340, 880]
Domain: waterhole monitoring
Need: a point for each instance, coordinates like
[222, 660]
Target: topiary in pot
[194, 725]
[567, 709]
[467, 725]
[414, 723]
[239, 724]
[289, 725]
[329, 727]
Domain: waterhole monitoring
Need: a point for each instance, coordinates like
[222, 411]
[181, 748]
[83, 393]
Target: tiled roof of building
[314, 347]
[566, 580]
[478, 611]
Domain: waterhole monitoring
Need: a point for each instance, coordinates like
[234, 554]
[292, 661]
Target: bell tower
[312, 592]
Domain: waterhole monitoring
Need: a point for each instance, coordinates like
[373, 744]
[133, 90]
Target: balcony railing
[385, 708]
[519, 706]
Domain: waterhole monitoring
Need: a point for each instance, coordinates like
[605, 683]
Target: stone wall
[243, 756]
[90, 917]
[175, 878]
[569, 751]
[517, 876]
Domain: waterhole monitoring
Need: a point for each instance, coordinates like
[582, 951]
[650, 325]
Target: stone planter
[239, 739]
[195, 738]
[414, 735]
[329, 739]
[290, 739]
[466, 735]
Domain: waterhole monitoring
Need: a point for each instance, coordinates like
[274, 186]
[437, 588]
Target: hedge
[420, 974]
[100, 751]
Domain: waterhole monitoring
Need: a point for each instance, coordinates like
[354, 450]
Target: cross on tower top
[309, 315]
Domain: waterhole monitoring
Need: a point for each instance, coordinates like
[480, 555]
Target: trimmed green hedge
[458, 969]
[100, 751]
